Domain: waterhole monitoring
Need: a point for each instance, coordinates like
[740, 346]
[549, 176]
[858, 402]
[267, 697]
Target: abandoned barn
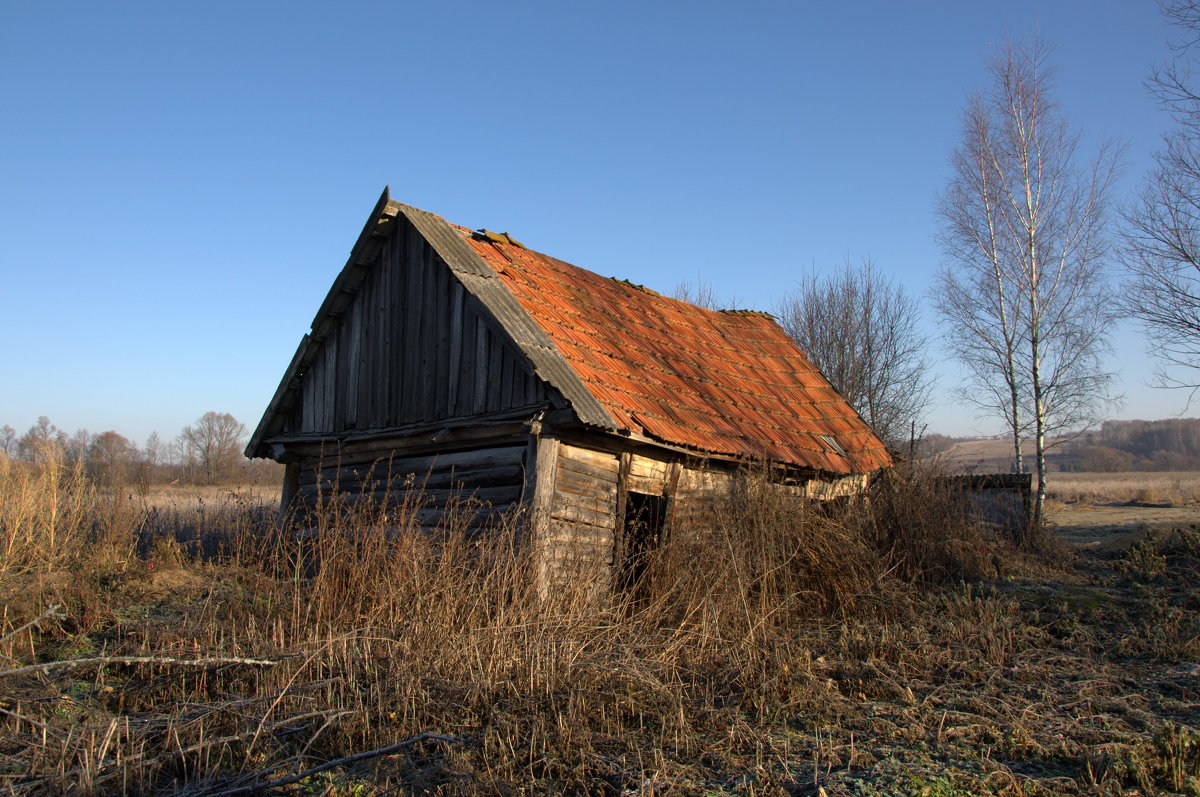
[463, 363]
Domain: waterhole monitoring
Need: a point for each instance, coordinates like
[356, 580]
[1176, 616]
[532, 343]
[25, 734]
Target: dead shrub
[926, 528]
[761, 556]
[46, 512]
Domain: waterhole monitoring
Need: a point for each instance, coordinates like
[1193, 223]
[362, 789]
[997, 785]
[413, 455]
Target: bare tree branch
[1162, 235]
[860, 330]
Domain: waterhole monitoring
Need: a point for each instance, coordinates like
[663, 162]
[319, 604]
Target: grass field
[186, 645]
[1177, 488]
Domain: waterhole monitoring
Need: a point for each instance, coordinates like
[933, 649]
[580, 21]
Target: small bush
[1142, 562]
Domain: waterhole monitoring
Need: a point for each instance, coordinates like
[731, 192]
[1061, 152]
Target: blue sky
[182, 182]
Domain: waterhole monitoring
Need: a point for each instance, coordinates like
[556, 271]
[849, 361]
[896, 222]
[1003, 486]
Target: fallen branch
[71, 664]
[308, 773]
[54, 611]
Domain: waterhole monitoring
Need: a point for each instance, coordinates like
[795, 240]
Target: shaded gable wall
[413, 346]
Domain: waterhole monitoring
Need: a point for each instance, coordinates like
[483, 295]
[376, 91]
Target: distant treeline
[206, 452]
[1172, 444]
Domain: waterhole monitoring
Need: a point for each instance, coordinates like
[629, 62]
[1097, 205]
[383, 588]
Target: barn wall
[577, 536]
[412, 347]
[487, 483]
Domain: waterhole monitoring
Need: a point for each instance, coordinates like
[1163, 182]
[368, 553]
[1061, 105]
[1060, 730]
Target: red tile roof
[726, 383]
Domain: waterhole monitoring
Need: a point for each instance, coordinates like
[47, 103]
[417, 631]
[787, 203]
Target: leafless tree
[860, 329]
[1162, 236]
[1025, 297]
[215, 441]
[703, 294]
[152, 451]
[8, 440]
[76, 447]
[41, 442]
[109, 457]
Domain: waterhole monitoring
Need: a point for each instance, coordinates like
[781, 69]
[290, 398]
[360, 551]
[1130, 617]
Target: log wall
[577, 538]
[480, 486]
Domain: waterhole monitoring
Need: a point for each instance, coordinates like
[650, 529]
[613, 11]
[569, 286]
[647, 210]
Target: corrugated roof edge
[546, 361]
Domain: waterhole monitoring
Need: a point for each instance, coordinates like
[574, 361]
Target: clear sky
[181, 183]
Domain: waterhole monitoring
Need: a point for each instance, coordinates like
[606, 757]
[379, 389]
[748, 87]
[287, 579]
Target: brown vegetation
[856, 650]
[1171, 488]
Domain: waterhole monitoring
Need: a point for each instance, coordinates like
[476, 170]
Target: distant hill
[1172, 444]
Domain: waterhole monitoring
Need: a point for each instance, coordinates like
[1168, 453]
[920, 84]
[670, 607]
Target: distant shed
[599, 409]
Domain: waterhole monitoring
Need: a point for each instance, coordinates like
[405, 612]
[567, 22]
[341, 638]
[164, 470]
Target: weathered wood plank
[483, 457]
[441, 357]
[488, 475]
[647, 468]
[352, 360]
[504, 388]
[391, 410]
[482, 364]
[596, 458]
[455, 343]
[330, 369]
[428, 341]
[582, 513]
[495, 372]
[416, 256]
[603, 508]
[466, 369]
[584, 494]
[307, 391]
[378, 332]
[578, 482]
[587, 470]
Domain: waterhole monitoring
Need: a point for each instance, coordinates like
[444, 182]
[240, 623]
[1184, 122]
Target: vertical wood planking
[414, 345]
[397, 298]
[504, 389]
[307, 422]
[441, 357]
[456, 339]
[466, 371]
[417, 253]
[429, 335]
[482, 335]
[350, 360]
[495, 371]
[329, 369]
[380, 337]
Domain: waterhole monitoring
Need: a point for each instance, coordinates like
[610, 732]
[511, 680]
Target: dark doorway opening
[642, 533]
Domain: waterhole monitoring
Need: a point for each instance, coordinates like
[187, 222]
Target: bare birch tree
[977, 295]
[860, 329]
[1024, 232]
[1162, 236]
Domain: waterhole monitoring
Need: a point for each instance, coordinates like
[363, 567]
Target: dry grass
[1177, 488]
[859, 651]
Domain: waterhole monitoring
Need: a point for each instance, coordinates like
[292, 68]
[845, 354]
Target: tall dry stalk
[45, 512]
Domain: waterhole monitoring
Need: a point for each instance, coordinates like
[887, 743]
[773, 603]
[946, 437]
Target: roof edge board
[481, 280]
[384, 208]
[285, 385]
[279, 402]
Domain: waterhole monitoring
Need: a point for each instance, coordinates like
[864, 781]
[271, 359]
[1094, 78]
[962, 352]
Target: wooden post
[541, 503]
[291, 485]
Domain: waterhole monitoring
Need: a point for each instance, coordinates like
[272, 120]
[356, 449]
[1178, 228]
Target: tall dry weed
[283, 645]
[46, 509]
[925, 527]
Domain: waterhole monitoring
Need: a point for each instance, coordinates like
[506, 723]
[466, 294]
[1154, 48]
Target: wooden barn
[600, 410]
